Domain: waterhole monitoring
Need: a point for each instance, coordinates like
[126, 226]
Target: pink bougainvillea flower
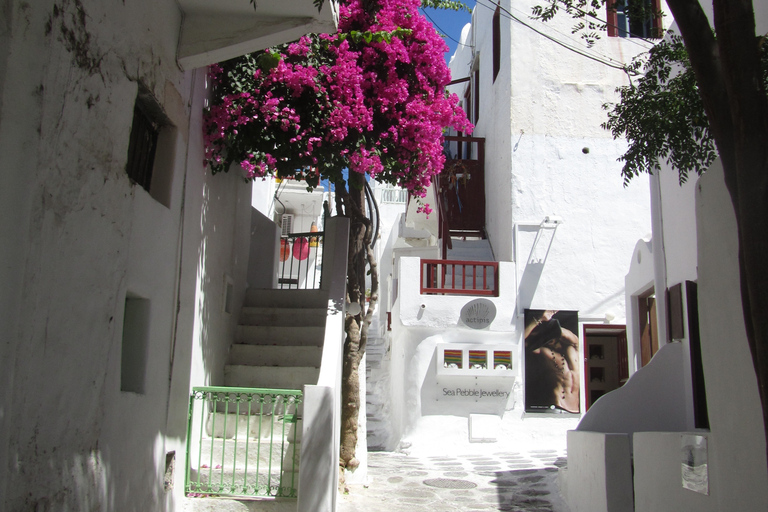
[370, 98]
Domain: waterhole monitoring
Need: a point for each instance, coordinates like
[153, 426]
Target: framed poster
[552, 369]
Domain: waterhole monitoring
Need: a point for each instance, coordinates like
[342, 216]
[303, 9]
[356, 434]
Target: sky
[449, 23]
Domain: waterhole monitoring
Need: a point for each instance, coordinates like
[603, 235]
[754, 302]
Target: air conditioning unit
[286, 224]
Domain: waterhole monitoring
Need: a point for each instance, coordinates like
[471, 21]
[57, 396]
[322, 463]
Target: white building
[686, 431]
[118, 293]
[557, 220]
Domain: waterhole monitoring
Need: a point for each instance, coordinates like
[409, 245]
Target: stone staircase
[279, 341]
[471, 249]
[278, 345]
[377, 396]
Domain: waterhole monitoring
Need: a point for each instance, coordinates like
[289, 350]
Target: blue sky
[450, 23]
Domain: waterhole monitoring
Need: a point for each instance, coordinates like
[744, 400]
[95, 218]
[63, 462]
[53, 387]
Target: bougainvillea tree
[371, 99]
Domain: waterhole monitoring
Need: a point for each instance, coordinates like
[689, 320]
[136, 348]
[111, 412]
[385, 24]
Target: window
[628, 18]
[649, 342]
[496, 42]
[472, 94]
[133, 360]
[150, 149]
[142, 147]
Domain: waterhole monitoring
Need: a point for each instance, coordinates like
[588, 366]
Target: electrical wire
[635, 38]
[443, 31]
[602, 59]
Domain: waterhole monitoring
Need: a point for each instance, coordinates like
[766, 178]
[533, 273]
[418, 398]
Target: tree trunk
[352, 204]
[728, 73]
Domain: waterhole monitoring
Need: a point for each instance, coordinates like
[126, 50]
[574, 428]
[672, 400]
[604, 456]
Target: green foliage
[450, 5]
[662, 117]
[380, 36]
[589, 15]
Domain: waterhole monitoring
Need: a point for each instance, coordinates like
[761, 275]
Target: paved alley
[508, 481]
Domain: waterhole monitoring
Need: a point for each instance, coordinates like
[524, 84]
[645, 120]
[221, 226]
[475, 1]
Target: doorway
[606, 365]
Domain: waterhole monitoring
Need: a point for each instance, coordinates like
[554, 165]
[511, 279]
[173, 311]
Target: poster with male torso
[552, 369]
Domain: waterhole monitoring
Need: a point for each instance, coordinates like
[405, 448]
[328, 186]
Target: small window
[496, 42]
[141, 149]
[150, 148]
[640, 19]
[133, 361]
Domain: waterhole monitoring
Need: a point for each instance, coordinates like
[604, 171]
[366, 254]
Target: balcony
[453, 277]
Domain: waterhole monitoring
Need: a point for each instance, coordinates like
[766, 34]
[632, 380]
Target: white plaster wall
[658, 476]
[84, 237]
[638, 281]
[737, 457]
[674, 228]
[542, 110]
[599, 473]
[628, 408]
[217, 239]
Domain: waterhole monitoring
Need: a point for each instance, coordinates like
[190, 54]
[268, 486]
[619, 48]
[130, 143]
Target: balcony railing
[241, 442]
[444, 277]
[301, 258]
[394, 195]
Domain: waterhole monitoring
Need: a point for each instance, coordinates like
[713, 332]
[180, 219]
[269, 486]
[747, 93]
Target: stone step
[275, 355]
[270, 377]
[280, 335]
[287, 317]
[255, 297]
[245, 464]
[470, 250]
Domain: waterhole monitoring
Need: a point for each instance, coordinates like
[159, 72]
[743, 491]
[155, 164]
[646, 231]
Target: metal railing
[242, 442]
[301, 259]
[454, 277]
[394, 195]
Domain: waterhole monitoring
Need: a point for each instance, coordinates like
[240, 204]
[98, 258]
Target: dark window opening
[142, 147]
[700, 410]
[151, 153]
[640, 18]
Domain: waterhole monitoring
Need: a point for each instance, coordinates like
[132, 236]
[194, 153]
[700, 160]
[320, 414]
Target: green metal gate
[243, 442]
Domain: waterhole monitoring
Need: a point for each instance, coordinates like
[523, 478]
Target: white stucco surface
[85, 238]
[545, 156]
[738, 472]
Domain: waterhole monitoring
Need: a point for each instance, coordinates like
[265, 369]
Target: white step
[280, 335]
[470, 250]
[271, 377]
[239, 464]
[275, 355]
[277, 316]
[286, 298]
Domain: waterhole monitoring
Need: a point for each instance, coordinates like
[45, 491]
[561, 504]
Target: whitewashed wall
[736, 441]
[78, 238]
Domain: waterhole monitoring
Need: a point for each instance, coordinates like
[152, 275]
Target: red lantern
[285, 249]
[301, 248]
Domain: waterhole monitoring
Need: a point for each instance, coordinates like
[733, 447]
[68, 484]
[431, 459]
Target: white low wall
[658, 476]
[599, 474]
[652, 400]
[318, 473]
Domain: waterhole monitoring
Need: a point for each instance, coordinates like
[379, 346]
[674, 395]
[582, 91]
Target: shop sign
[478, 314]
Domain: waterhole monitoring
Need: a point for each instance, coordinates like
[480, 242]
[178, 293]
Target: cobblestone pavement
[501, 481]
